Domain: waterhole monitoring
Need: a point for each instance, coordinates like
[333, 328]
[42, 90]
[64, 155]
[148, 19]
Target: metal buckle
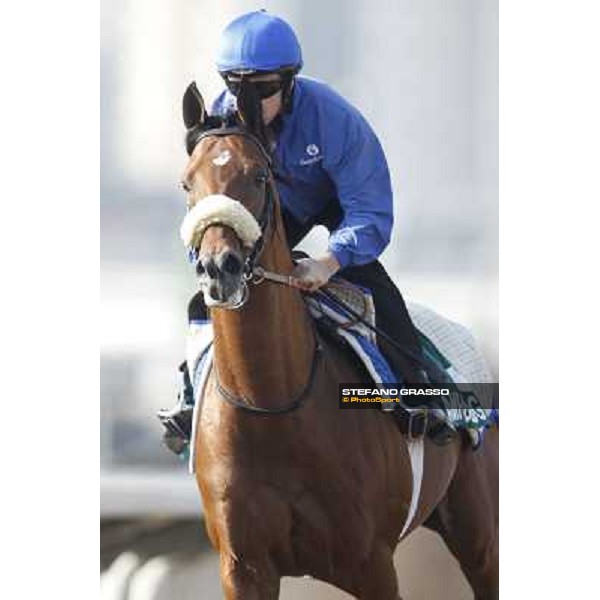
[413, 415]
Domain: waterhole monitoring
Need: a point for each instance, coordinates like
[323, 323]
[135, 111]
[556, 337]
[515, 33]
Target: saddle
[347, 312]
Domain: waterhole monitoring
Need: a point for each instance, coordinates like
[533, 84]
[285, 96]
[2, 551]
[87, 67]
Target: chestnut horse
[291, 485]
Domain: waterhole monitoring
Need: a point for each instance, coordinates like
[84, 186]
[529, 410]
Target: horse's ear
[194, 111]
[250, 109]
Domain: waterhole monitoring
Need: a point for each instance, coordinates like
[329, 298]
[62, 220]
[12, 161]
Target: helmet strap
[250, 110]
[287, 97]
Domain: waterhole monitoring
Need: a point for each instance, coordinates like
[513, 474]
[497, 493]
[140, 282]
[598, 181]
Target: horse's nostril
[215, 292]
[200, 270]
[232, 264]
[211, 269]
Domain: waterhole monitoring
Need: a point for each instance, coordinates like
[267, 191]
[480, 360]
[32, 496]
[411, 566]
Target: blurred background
[425, 74]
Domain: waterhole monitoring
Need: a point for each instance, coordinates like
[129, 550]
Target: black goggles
[264, 89]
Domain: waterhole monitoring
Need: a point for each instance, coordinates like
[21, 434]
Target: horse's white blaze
[222, 159]
[218, 209]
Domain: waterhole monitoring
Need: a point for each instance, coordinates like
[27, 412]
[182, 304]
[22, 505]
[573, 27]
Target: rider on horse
[333, 173]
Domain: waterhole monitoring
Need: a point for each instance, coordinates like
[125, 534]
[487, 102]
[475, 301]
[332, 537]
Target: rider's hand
[310, 274]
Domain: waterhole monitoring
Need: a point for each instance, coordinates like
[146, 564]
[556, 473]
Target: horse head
[231, 195]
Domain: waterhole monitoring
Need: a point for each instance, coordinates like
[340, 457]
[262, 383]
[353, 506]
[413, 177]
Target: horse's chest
[286, 521]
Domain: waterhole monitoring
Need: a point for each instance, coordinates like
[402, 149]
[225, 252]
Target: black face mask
[263, 89]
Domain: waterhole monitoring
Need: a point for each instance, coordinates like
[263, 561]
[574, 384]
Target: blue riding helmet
[258, 41]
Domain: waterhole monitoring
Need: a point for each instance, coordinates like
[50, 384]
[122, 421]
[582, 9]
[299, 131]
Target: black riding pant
[391, 313]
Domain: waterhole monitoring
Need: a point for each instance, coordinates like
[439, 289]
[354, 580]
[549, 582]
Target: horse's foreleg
[378, 579]
[245, 581]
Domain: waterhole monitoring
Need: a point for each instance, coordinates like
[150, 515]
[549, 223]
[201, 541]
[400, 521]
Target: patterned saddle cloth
[450, 347]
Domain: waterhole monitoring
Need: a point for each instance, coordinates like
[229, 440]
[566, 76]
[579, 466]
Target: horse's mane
[229, 119]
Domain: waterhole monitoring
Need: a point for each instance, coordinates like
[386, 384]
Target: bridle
[251, 272]
[254, 273]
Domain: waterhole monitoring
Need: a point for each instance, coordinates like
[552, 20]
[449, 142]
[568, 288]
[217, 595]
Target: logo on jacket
[313, 152]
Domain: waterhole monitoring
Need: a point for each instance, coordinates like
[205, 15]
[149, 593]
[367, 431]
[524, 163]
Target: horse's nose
[207, 265]
[231, 263]
[220, 276]
[227, 264]
[215, 291]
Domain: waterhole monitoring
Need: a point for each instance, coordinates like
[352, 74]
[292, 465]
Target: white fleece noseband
[222, 210]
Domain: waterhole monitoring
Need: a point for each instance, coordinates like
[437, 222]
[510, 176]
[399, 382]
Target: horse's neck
[263, 352]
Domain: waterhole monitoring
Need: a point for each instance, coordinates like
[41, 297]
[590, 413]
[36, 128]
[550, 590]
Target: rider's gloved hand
[310, 273]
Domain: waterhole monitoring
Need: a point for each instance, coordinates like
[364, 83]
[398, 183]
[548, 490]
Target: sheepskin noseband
[222, 210]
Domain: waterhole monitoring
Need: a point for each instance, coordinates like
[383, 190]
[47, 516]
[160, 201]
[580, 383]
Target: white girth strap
[199, 395]
[222, 210]
[416, 452]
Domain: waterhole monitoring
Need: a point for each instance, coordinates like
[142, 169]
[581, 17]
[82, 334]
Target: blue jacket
[330, 151]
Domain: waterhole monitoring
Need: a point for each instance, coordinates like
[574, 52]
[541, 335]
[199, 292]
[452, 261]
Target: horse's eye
[185, 186]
